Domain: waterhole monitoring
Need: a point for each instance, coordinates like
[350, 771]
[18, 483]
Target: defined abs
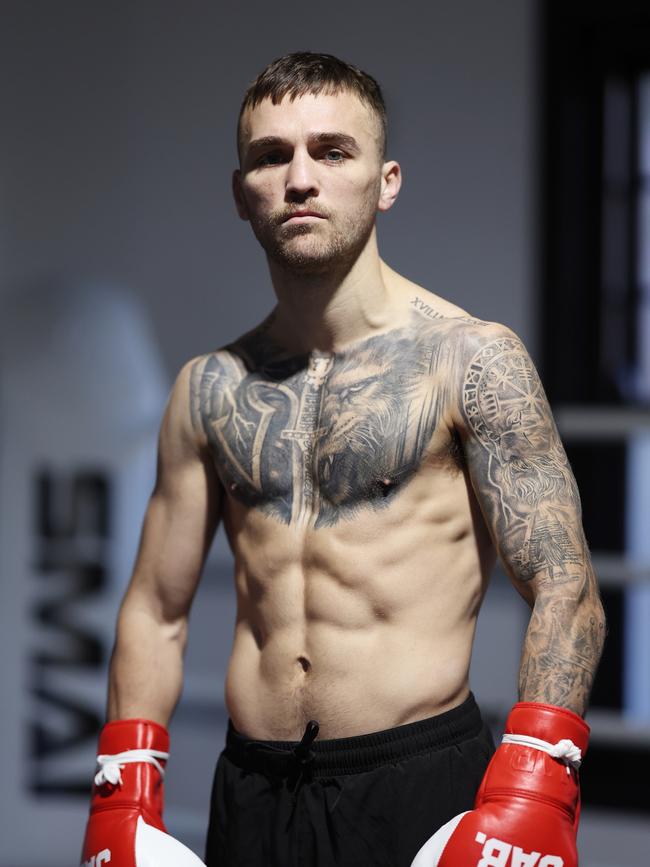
[351, 681]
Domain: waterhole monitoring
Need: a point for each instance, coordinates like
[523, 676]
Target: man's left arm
[527, 808]
[530, 502]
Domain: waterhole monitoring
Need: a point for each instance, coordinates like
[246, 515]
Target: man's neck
[328, 311]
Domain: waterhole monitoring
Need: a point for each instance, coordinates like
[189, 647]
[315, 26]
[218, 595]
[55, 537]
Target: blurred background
[523, 131]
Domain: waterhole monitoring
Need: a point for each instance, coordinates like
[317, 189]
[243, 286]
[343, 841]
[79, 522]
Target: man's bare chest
[315, 439]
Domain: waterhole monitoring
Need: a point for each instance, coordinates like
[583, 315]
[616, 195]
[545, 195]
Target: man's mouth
[302, 215]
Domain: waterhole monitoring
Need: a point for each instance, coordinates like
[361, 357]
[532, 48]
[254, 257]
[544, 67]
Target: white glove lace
[111, 767]
[565, 750]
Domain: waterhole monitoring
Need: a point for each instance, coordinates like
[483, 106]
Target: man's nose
[301, 181]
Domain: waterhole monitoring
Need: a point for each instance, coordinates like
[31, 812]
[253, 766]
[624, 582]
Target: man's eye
[270, 159]
[335, 156]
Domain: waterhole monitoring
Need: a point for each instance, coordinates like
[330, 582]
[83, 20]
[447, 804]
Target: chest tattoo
[315, 439]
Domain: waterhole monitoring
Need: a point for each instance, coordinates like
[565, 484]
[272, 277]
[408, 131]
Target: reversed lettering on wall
[71, 565]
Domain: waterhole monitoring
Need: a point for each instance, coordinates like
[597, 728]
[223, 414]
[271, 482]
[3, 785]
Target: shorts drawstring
[302, 753]
[305, 759]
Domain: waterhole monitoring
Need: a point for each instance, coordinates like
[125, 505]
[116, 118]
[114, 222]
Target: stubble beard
[332, 246]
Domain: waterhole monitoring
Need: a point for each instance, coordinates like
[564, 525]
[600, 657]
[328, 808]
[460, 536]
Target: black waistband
[355, 754]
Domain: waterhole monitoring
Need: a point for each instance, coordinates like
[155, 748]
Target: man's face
[312, 179]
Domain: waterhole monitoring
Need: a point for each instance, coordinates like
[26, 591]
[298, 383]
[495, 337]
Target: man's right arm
[184, 509]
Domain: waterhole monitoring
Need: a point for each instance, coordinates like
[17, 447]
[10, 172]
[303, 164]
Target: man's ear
[238, 194]
[391, 181]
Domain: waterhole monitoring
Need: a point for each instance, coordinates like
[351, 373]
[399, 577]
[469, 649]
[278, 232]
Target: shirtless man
[370, 449]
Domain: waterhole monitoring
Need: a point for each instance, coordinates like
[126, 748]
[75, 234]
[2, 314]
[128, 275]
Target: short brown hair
[306, 72]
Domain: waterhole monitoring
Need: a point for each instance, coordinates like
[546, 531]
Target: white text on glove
[102, 857]
[497, 853]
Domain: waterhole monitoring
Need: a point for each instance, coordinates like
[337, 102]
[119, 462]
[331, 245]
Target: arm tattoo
[523, 478]
[561, 651]
[531, 503]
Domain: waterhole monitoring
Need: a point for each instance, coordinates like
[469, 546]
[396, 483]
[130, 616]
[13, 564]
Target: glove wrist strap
[111, 766]
[565, 749]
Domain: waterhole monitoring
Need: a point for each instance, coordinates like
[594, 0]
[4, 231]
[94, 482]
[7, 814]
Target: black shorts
[368, 801]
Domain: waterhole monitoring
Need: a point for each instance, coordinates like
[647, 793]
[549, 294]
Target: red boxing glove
[527, 808]
[125, 828]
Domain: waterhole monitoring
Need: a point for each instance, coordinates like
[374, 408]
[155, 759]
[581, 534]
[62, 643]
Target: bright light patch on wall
[643, 245]
[637, 634]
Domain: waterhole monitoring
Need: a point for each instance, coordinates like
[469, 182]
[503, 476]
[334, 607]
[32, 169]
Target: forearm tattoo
[530, 500]
[562, 648]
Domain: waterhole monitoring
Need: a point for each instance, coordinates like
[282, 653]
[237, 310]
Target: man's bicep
[518, 466]
[183, 511]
